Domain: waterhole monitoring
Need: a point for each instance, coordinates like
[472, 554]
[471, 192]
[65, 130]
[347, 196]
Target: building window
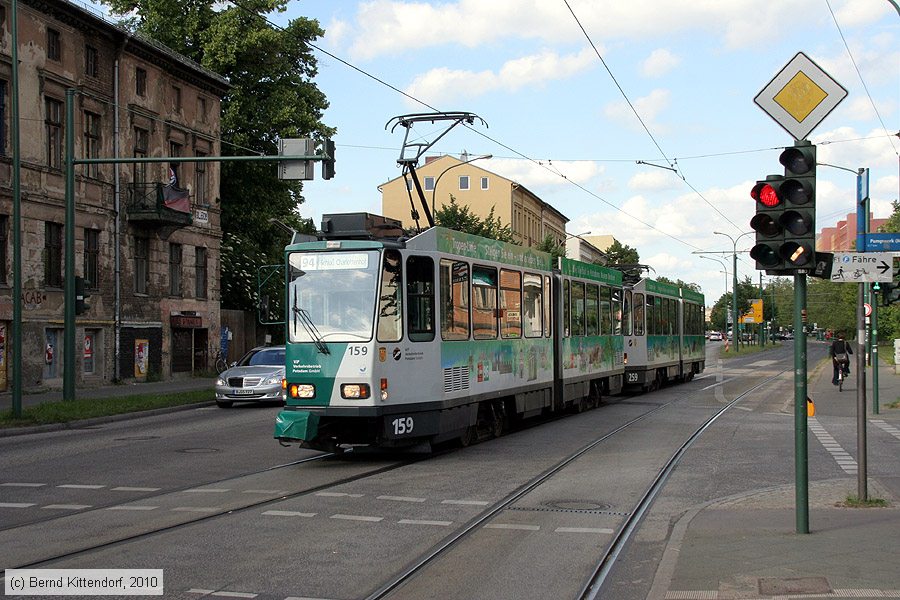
[200, 272]
[409, 184]
[174, 150]
[176, 97]
[141, 143]
[53, 253]
[53, 122]
[463, 182]
[141, 265]
[54, 48]
[91, 60]
[4, 238]
[3, 125]
[140, 82]
[91, 259]
[484, 183]
[175, 269]
[429, 184]
[92, 143]
[200, 182]
[201, 110]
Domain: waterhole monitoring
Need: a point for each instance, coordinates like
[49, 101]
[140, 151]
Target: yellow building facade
[530, 219]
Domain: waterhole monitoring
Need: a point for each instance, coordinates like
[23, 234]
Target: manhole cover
[779, 586]
[577, 505]
[137, 438]
[199, 450]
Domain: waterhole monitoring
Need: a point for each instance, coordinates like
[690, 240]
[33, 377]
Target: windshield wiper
[310, 327]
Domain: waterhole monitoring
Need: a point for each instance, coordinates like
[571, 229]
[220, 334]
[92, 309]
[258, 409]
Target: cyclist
[840, 352]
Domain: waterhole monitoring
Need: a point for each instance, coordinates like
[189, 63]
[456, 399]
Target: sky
[559, 84]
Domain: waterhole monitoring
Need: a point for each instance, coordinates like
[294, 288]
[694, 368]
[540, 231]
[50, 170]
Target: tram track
[591, 588]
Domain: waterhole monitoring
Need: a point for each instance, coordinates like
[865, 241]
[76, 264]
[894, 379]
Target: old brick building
[152, 269]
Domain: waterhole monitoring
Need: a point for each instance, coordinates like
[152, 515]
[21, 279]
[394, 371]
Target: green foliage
[461, 218]
[680, 283]
[723, 306]
[552, 247]
[621, 254]
[272, 97]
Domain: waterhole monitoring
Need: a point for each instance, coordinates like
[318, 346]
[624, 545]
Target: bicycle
[843, 371]
[221, 361]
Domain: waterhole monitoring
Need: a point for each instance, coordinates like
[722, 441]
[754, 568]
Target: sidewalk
[746, 546]
[171, 386]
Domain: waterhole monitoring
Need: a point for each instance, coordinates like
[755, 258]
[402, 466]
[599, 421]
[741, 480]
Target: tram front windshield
[331, 296]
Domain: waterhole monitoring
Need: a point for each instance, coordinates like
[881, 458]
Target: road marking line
[75, 486]
[276, 492]
[888, 428]
[465, 502]
[16, 504]
[200, 509]
[693, 595]
[132, 507]
[512, 526]
[206, 491]
[288, 513]
[135, 489]
[357, 518]
[717, 384]
[338, 495]
[584, 530]
[401, 498]
[67, 506]
[420, 522]
[843, 458]
[22, 484]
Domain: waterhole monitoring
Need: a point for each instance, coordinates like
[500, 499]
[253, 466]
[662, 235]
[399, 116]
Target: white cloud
[654, 181]
[864, 150]
[442, 85]
[660, 62]
[545, 172]
[647, 107]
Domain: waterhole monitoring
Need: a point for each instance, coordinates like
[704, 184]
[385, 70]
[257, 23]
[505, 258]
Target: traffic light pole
[801, 454]
[861, 474]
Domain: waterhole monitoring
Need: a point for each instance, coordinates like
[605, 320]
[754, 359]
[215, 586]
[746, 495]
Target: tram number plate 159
[403, 425]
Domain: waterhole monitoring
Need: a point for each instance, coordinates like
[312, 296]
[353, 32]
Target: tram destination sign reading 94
[862, 267]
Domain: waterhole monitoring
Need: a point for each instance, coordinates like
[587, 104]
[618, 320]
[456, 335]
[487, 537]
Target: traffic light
[785, 220]
[328, 161]
[890, 293]
[81, 306]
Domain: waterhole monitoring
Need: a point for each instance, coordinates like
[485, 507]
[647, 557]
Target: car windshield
[273, 357]
[331, 296]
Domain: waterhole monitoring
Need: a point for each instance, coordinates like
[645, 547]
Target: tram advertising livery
[399, 342]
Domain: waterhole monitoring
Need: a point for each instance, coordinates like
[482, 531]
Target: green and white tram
[664, 338]
[399, 342]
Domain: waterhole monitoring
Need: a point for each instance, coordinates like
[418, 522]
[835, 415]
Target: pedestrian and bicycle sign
[862, 267]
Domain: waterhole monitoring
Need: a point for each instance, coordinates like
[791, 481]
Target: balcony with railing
[158, 204]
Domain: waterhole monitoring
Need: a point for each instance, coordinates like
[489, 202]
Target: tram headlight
[355, 391]
[302, 390]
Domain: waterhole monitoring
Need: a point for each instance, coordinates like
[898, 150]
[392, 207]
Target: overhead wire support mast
[411, 152]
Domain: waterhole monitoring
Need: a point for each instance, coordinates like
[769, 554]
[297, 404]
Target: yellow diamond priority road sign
[800, 96]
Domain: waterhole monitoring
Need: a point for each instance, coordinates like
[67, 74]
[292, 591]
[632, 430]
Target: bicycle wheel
[221, 365]
[840, 380]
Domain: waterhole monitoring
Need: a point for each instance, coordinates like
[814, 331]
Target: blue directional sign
[882, 242]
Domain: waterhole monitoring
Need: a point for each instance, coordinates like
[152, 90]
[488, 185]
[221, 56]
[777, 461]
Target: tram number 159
[403, 425]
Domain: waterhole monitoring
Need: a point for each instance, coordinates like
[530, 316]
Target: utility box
[897, 357]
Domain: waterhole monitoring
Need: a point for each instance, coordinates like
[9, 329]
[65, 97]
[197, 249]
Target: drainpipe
[117, 195]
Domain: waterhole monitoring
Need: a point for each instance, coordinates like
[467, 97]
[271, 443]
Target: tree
[461, 218]
[621, 254]
[679, 283]
[272, 97]
[552, 247]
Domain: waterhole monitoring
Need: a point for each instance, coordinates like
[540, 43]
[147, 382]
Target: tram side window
[567, 309]
[672, 318]
[454, 300]
[390, 314]
[420, 298]
[533, 311]
[627, 317]
[652, 316]
[638, 314]
[592, 309]
[606, 327]
[548, 298]
[577, 308]
[484, 303]
[510, 304]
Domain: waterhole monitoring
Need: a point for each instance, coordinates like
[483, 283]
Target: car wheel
[224, 403]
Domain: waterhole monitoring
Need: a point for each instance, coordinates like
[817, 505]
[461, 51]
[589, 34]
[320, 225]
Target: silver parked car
[257, 377]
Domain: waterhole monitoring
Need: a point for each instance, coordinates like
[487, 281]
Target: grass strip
[88, 408]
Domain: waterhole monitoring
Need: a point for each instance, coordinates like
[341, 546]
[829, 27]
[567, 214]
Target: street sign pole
[801, 453]
[861, 492]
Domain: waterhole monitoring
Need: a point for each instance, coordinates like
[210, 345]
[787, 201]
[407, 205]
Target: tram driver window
[638, 303]
[420, 298]
[390, 322]
[454, 300]
[484, 303]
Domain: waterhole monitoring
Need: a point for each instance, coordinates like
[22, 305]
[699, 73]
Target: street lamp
[570, 236]
[725, 271]
[734, 321]
[465, 162]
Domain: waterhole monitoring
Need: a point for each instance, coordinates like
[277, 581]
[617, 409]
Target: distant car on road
[715, 336]
[257, 377]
